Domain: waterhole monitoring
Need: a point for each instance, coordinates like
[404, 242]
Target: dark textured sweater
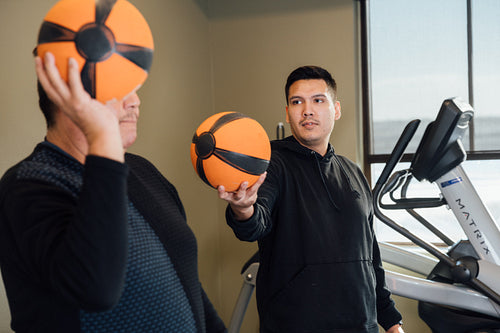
[100, 247]
[320, 267]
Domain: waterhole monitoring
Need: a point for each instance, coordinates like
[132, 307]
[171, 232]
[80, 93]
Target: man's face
[128, 113]
[311, 113]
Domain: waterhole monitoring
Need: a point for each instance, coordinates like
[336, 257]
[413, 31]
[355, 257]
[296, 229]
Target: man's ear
[337, 110]
[287, 118]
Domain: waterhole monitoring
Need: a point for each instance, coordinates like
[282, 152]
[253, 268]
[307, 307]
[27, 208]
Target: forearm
[76, 246]
[99, 236]
[387, 314]
[241, 214]
[252, 229]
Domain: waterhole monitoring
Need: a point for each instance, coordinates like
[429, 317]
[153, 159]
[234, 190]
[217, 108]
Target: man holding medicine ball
[320, 267]
[94, 239]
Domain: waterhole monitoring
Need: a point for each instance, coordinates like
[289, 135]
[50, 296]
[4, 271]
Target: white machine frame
[481, 230]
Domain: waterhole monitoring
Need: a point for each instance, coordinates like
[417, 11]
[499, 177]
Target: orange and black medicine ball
[110, 40]
[229, 148]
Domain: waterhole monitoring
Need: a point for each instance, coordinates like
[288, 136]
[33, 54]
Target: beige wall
[255, 46]
[210, 56]
[20, 124]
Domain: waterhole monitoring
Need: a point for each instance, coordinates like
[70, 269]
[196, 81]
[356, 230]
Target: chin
[128, 141]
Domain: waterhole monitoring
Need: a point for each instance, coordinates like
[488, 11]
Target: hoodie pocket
[325, 298]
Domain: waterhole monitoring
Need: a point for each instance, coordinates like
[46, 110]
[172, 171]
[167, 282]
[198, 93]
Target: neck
[73, 143]
[319, 148]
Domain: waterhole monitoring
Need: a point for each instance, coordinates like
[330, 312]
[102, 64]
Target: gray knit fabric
[153, 299]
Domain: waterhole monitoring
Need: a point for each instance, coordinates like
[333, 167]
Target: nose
[308, 110]
[131, 101]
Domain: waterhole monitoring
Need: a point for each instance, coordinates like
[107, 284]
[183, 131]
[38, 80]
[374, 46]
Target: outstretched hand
[243, 199]
[97, 121]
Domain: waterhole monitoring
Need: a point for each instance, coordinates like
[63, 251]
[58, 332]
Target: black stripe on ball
[227, 118]
[201, 172]
[88, 76]
[248, 164]
[52, 32]
[141, 56]
[102, 10]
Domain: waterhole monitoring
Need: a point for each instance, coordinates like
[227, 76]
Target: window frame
[370, 158]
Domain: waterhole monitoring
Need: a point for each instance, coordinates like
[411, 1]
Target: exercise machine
[461, 290]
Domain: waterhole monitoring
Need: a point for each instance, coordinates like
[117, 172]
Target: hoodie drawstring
[353, 191]
[324, 182]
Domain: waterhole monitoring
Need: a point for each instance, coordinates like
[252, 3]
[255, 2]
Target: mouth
[128, 121]
[129, 118]
[308, 123]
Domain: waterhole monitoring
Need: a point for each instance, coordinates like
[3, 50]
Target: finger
[241, 192]
[40, 73]
[261, 179]
[243, 187]
[59, 85]
[222, 192]
[255, 187]
[45, 81]
[74, 80]
[226, 196]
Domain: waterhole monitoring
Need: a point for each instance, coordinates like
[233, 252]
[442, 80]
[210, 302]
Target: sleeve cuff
[389, 318]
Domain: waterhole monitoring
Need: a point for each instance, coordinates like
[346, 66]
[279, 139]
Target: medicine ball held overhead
[229, 148]
[110, 39]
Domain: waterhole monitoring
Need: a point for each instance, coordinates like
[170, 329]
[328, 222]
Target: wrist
[109, 146]
[396, 328]
[242, 214]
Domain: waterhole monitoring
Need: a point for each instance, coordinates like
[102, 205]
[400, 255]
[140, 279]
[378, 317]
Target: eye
[295, 102]
[319, 100]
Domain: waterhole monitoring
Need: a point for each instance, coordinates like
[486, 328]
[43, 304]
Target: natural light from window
[419, 58]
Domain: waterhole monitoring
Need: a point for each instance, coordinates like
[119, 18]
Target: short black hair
[46, 105]
[311, 73]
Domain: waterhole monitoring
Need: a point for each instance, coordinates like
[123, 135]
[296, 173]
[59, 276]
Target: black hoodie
[320, 267]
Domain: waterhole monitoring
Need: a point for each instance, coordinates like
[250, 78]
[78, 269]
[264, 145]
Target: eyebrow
[313, 96]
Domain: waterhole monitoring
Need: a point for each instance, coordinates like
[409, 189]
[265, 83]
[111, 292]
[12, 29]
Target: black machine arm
[394, 159]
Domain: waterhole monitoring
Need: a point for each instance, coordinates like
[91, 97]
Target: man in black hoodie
[320, 266]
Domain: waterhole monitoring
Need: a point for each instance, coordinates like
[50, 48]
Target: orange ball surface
[229, 148]
[110, 40]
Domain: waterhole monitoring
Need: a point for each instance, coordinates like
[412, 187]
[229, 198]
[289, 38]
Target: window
[416, 54]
